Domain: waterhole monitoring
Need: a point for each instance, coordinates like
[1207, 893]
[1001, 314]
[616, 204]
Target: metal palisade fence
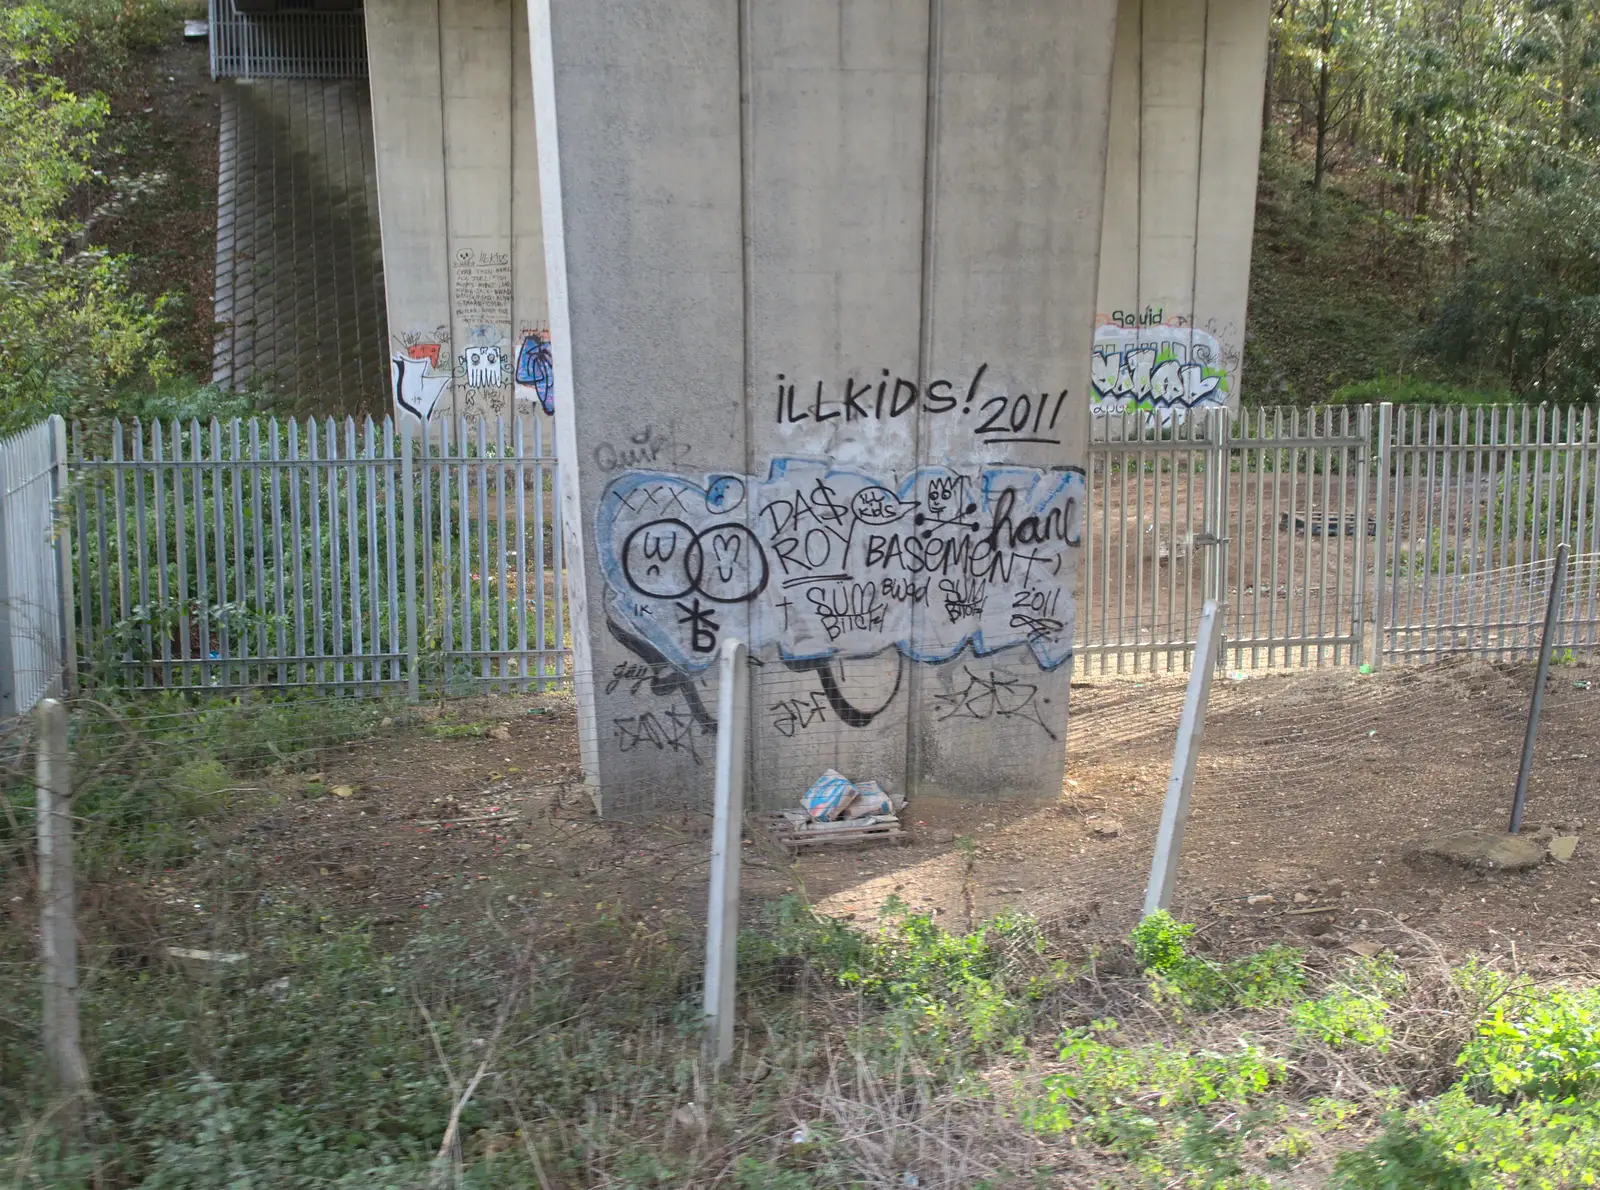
[359, 558]
[1477, 502]
[1341, 536]
[319, 553]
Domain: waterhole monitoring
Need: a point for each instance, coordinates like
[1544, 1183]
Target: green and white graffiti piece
[1159, 368]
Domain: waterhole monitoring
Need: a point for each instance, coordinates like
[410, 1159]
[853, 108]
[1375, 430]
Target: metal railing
[301, 44]
[36, 645]
[1350, 535]
[319, 554]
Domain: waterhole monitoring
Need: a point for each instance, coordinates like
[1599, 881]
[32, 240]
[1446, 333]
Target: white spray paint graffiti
[415, 391]
[1157, 367]
[829, 562]
[485, 367]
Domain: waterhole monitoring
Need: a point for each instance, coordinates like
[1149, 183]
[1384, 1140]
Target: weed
[1403, 1157]
[1343, 1017]
[1269, 977]
[1148, 1102]
[1544, 1047]
[1160, 942]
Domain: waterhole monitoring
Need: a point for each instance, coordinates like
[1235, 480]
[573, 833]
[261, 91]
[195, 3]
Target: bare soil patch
[1314, 789]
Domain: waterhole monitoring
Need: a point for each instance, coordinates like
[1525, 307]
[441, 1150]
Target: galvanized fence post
[1358, 610]
[408, 551]
[61, 539]
[722, 920]
[1175, 812]
[1380, 553]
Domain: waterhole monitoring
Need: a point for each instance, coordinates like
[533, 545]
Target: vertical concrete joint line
[746, 281]
[444, 178]
[1138, 188]
[1199, 175]
[930, 220]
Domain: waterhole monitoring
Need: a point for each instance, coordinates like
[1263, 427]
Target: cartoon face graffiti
[485, 367]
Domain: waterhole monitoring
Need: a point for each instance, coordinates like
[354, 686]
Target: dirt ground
[1313, 789]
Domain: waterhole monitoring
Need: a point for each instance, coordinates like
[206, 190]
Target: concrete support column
[459, 207]
[1180, 202]
[821, 280]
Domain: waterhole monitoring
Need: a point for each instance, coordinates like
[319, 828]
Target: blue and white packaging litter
[828, 796]
[871, 798]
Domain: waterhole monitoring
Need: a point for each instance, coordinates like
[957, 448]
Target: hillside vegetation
[1428, 223]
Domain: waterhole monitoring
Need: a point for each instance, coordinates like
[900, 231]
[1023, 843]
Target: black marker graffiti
[647, 448]
[997, 696]
[833, 689]
[1019, 417]
[671, 731]
[796, 714]
[665, 681]
[962, 597]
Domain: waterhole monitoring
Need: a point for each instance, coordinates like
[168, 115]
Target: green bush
[1528, 307]
[1160, 942]
[1411, 390]
[1545, 1047]
[1403, 1157]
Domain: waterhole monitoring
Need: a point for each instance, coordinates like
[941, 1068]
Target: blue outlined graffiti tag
[820, 561]
[536, 368]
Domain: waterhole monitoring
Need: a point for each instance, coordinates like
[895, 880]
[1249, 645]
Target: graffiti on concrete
[822, 562]
[484, 366]
[993, 415]
[991, 694]
[414, 374]
[536, 378]
[1157, 367]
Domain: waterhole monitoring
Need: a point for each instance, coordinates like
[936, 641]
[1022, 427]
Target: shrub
[1544, 1047]
[1403, 1157]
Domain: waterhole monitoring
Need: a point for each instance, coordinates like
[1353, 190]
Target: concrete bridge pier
[822, 280]
[1181, 165]
[821, 293]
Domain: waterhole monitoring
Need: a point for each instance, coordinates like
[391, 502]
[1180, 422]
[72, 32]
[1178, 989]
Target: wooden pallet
[807, 836]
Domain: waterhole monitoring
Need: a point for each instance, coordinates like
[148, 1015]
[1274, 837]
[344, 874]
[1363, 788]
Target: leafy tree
[1528, 307]
[74, 335]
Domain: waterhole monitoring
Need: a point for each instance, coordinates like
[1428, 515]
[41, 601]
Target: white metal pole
[722, 918]
[58, 925]
[1175, 813]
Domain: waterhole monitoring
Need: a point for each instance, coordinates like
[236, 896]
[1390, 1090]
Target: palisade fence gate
[1338, 536]
[319, 553]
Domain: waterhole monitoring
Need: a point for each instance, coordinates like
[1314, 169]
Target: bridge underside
[299, 295]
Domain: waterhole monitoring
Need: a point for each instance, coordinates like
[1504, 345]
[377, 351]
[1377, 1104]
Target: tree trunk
[1268, 97]
[1323, 74]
